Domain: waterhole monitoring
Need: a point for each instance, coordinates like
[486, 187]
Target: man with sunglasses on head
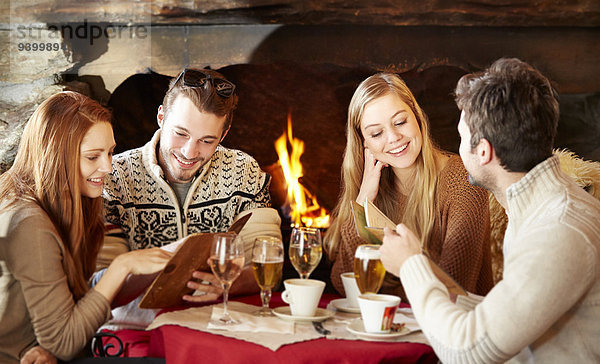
[183, 182]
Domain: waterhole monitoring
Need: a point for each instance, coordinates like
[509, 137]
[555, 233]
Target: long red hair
[47, 170]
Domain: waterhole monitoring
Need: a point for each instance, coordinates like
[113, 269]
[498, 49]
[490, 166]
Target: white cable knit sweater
[546, 309]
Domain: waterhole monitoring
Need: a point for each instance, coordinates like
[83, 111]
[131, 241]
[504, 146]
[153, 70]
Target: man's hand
[245, 284]
[209, 284]
[38, 355]
[397, 247]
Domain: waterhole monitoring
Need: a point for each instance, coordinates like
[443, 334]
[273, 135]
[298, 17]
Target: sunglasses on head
[197, 78]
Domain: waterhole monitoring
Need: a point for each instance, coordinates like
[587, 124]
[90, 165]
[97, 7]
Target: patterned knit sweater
[460, 239]
[144, 211]
[140, 201]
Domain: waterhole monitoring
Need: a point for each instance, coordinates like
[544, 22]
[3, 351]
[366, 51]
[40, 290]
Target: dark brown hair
[204, 98]
[515, 108]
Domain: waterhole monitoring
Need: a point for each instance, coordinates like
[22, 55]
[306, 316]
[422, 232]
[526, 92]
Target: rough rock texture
[298, 56]
[398, 12]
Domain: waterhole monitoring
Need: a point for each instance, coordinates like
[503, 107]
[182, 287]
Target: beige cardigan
[36, 305]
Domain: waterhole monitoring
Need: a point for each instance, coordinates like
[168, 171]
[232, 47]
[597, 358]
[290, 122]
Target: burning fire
[305, 210]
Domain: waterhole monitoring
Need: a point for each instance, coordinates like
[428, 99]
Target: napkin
[198, 318]
[249, 323]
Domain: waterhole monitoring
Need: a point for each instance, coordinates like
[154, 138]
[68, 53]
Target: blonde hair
[419, 213]
[47, 170]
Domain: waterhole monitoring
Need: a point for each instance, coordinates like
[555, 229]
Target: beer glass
[305, 250]
[368, 269]
[226, 262]
[267, 265]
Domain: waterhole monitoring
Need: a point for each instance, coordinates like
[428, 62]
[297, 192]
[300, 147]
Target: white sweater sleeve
[543, 278]
[470, 301]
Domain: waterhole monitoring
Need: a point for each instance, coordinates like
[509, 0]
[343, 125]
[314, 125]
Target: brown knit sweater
[459, 243]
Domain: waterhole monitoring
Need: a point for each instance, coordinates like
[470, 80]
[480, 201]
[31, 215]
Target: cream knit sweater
[547, 306]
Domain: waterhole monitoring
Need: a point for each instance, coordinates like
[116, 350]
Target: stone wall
[282, 52]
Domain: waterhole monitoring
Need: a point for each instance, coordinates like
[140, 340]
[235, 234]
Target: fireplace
[300, 56]
[303, 58]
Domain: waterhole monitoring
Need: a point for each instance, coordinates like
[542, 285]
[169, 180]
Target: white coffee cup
[303, 295]
[351, 289]
[377, 311]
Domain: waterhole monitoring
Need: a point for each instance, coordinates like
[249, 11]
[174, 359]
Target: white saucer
[342, 305]
[284, 313]
[357, 328]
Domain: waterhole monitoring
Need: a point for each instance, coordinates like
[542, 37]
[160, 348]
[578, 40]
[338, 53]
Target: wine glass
[267, 265]
[305, 250]
[226, 262]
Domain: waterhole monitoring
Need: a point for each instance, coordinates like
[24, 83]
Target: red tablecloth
[182, 345]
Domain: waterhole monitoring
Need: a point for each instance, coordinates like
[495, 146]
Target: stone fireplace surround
[306, 58]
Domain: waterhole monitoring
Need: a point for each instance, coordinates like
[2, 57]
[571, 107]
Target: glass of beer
[305, 250]
[267, 265]
[368, 269]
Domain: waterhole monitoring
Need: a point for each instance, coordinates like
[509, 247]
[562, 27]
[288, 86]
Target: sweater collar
[541, 181]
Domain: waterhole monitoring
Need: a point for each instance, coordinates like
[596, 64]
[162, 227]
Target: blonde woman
[51, 229]
[391, 160]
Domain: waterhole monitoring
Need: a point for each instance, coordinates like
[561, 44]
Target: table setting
[298, 316]
[301, 324]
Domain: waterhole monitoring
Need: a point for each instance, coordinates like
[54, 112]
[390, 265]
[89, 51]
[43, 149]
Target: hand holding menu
[370, 222]
[191, 254]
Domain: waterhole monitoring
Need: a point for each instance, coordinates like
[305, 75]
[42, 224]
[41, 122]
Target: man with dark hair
[182, 182]
[546, 308]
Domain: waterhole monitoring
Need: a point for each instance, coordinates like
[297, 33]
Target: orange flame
[305, 210]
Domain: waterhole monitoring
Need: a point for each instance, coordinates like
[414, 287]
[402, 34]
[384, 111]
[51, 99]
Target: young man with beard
[547, 306]
[182, 182]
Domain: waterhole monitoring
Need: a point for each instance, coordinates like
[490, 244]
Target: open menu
[191, 254]
[370, 221]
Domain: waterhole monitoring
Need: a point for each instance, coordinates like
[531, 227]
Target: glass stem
[265, 296]
[225, 297]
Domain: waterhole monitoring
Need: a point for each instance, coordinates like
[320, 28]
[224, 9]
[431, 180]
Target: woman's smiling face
[391, 132]
[95, 159]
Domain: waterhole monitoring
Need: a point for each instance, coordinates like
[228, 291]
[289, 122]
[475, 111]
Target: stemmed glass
[267, 265]
[226, 262]
[305, 250]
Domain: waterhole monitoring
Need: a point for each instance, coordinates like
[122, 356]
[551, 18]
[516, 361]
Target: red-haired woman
[51, 229]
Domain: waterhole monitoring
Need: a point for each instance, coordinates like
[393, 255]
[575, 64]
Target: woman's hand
[139, 264]
[145, 261]
[370, 181]
[38, 355]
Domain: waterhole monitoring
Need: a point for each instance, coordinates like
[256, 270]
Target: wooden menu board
[192, 254]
